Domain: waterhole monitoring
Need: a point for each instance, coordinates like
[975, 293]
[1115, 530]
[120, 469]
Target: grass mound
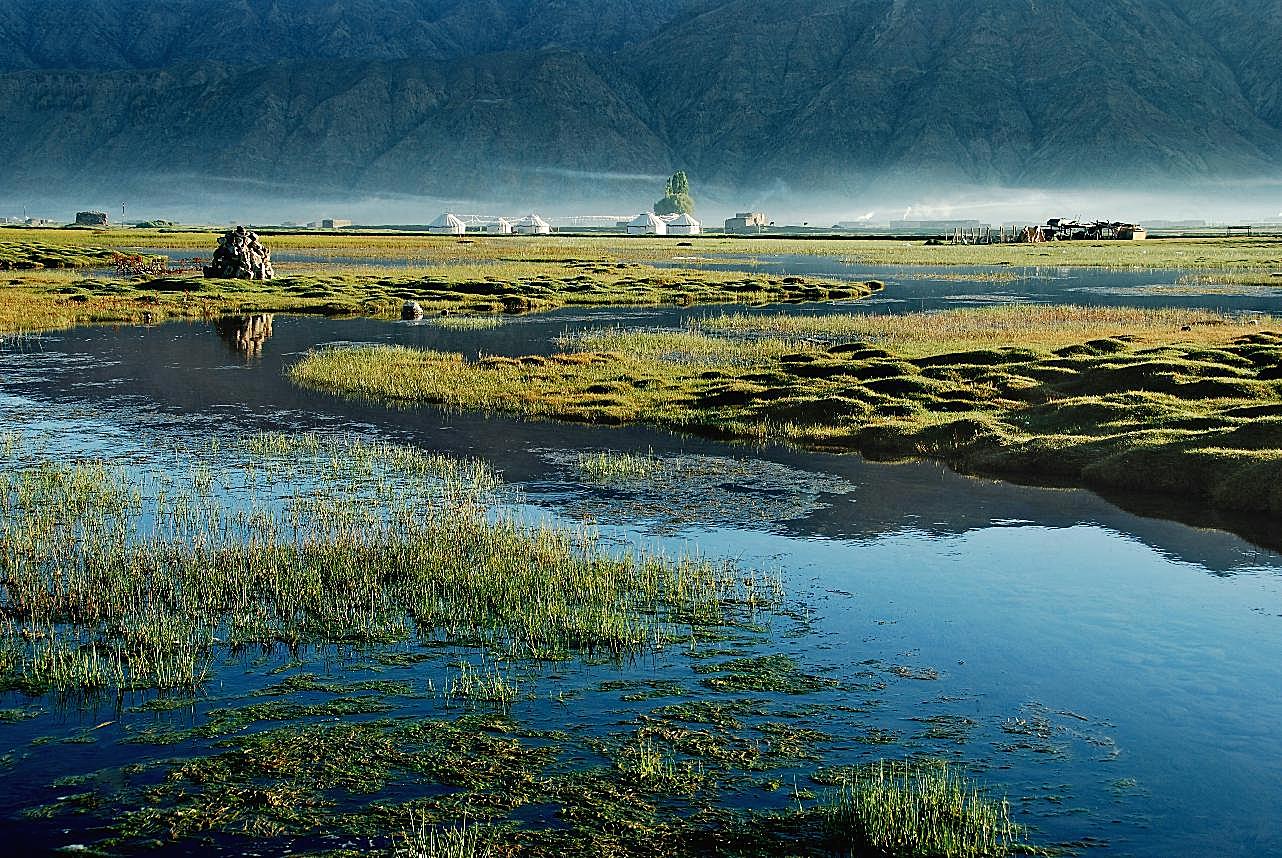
[1134, 410]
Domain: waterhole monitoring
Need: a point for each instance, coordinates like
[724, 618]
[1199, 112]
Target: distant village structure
[747, 222]
[1055, 229]
[447, 224]
[502, 226]
[683, 224]
[532, 224]
[647, 223]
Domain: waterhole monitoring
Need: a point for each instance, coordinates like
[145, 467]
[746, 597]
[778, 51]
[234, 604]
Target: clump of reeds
[425, 840]
[920, 809]
[112, 580]
[469, 323]
[610, 466]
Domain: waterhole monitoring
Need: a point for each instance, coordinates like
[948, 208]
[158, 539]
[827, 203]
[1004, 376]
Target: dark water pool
[1118, 676]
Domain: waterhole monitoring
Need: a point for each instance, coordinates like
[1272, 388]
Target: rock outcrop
[240, 255]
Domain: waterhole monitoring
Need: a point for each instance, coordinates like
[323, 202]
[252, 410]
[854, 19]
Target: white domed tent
[502, 226]
[647, 223]
[447, 224]
[532, 224]
[683, 224]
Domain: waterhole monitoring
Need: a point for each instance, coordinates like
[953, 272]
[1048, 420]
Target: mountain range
[478, 99]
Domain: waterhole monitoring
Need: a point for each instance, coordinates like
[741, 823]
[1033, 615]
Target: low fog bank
[596, 200]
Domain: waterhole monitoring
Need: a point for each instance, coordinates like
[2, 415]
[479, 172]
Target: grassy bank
[38, 300]
[1185, 402]
[1240, 253]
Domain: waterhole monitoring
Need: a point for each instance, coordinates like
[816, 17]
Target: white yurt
[532, 224]
[447, 224]
[683, 224]
[502, 226]
[647, 223]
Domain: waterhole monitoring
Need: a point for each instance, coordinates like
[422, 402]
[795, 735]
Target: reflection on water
[245, 334]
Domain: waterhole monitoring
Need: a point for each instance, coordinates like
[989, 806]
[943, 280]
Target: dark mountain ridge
[486, 98]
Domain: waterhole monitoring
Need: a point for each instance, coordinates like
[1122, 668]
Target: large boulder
[240, 255]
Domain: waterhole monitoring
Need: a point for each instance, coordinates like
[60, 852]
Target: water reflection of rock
[245, 334]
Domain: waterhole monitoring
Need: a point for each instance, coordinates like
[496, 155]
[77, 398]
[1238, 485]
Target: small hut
[647, 223]
[683, 224]
[447, 224]
[532, 224]
[502, 226]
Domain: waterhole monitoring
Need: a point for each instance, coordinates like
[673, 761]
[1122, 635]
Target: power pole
[122, 214]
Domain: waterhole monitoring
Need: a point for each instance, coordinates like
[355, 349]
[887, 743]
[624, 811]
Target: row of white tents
[649, 223]
[451, 224]
[646, 223]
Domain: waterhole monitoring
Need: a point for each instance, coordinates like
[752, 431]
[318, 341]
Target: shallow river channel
[1116, 675]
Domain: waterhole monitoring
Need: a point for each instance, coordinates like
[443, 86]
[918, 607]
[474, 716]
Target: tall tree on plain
[677, 199]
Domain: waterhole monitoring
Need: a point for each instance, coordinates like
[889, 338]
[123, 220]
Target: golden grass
[1254, 253]
[1034, 326]
[1186, 402]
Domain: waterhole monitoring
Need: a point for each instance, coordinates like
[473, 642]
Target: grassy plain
[1263, 253]
[508, 274]
[33, 299]
[1186, 402]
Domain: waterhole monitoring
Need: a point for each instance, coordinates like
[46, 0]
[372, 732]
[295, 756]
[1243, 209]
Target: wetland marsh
[247, 616]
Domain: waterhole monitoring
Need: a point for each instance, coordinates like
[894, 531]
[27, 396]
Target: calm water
[1145, 654]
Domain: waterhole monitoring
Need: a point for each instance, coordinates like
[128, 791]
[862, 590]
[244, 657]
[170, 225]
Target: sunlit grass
[1258, 252]
[1180, 401]
[112, 580]
[921, 810]
[1037, 326]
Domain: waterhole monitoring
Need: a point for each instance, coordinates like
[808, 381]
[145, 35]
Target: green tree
[676, 199]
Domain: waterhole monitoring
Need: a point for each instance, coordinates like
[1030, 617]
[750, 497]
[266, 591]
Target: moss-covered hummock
[35, 255]
[1168, 401]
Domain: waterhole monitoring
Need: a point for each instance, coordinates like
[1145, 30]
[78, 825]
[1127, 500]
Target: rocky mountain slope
[487, 97]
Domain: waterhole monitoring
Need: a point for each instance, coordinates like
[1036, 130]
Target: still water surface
[1117, 676]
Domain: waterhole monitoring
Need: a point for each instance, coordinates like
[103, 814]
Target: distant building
[683, 224]
[747, 222]
[91, 219]
[334, 223]
[447, 224]
[647, 223]
[532, 224]
[502, 226]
